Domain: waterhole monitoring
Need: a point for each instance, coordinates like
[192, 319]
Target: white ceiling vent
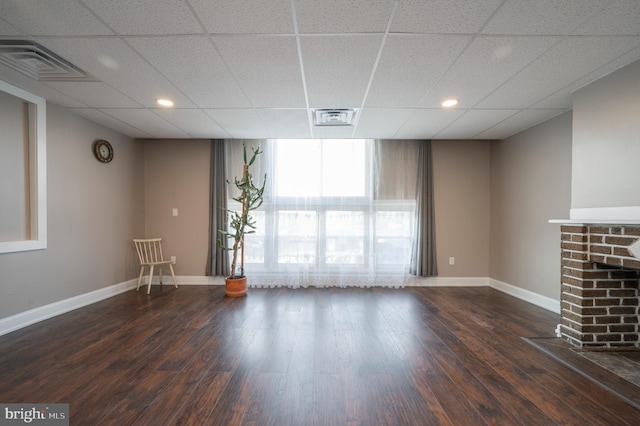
[38, 62]
[334, 117]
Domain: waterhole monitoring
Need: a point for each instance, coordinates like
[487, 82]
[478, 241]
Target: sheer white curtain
[336, 212]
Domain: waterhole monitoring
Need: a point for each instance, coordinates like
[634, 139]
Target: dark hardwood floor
[415, 356]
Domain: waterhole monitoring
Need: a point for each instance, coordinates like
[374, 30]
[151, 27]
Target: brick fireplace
[600, 275]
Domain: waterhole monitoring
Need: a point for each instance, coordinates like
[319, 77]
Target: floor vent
[334, 117]
[38, 62]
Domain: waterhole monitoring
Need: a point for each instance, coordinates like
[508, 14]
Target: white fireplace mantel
[595, 221]
[629, 215]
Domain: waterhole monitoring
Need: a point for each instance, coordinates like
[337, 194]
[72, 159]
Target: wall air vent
[334, 117]
[38, 62]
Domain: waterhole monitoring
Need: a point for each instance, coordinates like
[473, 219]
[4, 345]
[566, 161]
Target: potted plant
[241, 223]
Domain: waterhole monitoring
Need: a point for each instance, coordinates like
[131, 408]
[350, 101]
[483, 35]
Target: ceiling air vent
[38, 62]
[334, 117]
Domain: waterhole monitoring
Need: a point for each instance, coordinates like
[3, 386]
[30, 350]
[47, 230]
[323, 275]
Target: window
[321, 213]
[321, 168]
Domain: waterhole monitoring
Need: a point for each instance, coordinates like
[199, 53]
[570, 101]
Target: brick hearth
[600, 275]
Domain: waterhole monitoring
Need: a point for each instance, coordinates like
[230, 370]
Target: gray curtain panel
[217, 259]
[423, 255]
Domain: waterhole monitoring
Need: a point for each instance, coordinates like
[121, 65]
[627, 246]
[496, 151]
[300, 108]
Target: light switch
[175, 211]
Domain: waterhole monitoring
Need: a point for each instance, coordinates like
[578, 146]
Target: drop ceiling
[258, 68]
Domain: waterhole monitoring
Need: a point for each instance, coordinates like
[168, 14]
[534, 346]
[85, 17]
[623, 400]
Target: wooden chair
[150, 254]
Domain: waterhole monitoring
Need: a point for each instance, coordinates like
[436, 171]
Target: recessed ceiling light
[448, 103]
[164, 102]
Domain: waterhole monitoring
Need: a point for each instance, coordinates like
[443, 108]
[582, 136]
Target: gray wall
[177, 175]
[493, 199]
[530, 184]
[606, 141]
[94, 210]
[461, 178]
[14, 167]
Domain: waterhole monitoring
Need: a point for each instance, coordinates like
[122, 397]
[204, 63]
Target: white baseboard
[545, 302]
[32, 316]
[414, 281]
[184, 280]
[518, 292]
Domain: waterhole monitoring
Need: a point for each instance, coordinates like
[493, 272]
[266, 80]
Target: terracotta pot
[236, 287]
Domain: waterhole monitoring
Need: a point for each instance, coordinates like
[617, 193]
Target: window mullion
[321, 243]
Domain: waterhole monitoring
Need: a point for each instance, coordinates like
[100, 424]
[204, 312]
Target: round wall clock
[103, 151]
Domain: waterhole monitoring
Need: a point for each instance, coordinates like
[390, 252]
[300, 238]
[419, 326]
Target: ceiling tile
[240, 123]
[562, 99]
[426, 123]
[474, 122]
[195, 122]
[339, 16]
[559, 67]
[112, 61]
[98, 95]
[67, 18]
[245, 16]
[189, 61]
[267, 69]
[443, 16]
[133, 17]
[6, 29]
[485, 64]
[332, 132]
[424, 59]
[541, 16]
[619, 17]
[147, 121]
[38, 88]
[381, 123]
[518, 122]
[337, 69]
[253, 67]
[619, 62]
[111, 122]
[286, 123]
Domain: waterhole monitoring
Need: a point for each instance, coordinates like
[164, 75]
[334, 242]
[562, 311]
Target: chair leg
[150, 276]
[140, 277]
[160, 274]
[175, 283]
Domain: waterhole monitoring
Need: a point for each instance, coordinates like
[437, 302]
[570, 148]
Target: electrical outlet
[173, 259]
[175, 211]
[452, 261]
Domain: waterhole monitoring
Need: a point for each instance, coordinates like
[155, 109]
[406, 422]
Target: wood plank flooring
[415, 356]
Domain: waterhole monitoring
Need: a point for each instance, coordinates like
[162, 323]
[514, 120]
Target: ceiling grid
[255, 68]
